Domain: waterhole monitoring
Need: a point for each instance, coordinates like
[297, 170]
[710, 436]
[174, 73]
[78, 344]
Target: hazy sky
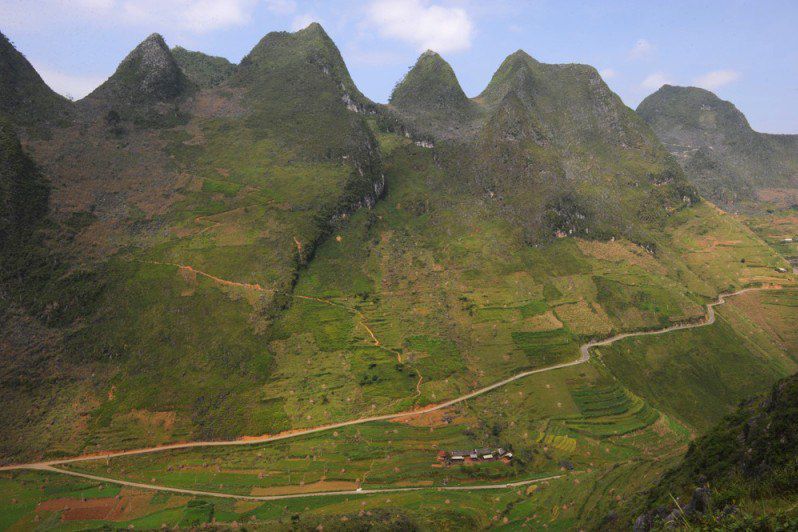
[745, 51]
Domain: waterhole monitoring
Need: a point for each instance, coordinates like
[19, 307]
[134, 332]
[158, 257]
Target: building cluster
[475, 455]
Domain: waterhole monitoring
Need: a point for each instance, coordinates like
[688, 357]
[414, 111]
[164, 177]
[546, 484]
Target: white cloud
[281, 7]
[716, 78]
[197, 16]
[191, 16]
[641, 49]
[302, 21]
[655, 81]
[72, 85]
[93, 5]
[373, 57]
[422, 24]
[608, 73]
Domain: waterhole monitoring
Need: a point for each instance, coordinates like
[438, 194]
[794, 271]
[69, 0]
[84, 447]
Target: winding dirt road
[584, 356]
[201, 493]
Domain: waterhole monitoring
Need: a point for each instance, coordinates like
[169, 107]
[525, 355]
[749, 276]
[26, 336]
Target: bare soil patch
[322, 485]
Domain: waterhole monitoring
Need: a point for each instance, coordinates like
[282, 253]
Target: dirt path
[184, 491]
[584, 356]
[224, 282]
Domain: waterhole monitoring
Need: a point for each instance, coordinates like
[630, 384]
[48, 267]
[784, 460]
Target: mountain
[24, 96]
[727, 160]
[747, 462]
[301, 77]
[430, 95]
[554, 146]
[151, 182]
[266, 250]
[146, 80]
[571, 101]
[201, 69]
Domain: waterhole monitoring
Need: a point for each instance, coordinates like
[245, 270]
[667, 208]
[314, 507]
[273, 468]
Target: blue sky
[745, 51]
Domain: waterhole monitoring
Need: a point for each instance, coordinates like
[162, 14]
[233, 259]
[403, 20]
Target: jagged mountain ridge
[552, 143]
[713, 141]
[154, 172]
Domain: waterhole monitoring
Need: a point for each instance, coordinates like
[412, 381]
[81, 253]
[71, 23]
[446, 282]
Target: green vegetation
[253, 249]
[148, 74]
[431, 100]
[205, 71]
[698, 375]
[743, 471]
[24, 97]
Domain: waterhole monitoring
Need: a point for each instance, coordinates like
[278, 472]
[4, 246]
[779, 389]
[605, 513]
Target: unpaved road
[291, 495]
[584, 356]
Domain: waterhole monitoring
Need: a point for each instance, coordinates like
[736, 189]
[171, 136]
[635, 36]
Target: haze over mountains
[203, 250]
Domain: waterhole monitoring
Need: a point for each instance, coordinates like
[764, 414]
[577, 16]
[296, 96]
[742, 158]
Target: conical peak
[148, 73]
[431, 83]
[516, 69]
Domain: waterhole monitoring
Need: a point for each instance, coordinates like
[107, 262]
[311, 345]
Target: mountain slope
[746, 463]
[24, 194]
[727, 160]
[204, 70]
[561, 154]
[241, 253]
[24, 96]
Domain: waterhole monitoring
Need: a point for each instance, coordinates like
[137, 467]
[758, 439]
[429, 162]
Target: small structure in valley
[475, 455]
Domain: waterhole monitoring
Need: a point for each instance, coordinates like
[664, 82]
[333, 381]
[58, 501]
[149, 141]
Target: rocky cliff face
[726, 159]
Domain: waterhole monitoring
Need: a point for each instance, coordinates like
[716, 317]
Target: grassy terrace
[54, 501]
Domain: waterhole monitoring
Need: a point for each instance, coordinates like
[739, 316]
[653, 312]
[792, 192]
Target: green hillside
[740, 475]
[231, 196]
[24, 97]
[429, 98]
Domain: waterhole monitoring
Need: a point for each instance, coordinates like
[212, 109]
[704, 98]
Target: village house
[474, 455]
